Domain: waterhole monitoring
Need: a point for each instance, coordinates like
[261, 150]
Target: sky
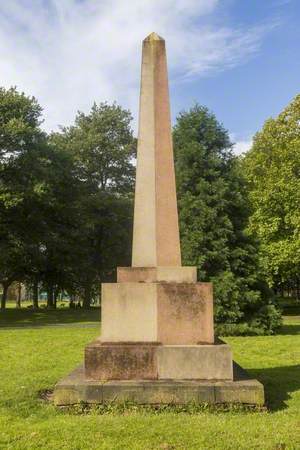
[240, 58]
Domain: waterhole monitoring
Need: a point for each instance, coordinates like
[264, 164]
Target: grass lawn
[33, 359]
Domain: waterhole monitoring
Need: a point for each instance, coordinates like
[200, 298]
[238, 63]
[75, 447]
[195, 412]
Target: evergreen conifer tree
[214, 212]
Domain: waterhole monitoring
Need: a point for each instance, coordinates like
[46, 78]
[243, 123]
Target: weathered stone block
[105, 361]
[185, 313]
[157, 392]
[157, 274]
[169, 313]
[241, 391]
[110, 361]
[76, 388]
[199, 362]
[129, 312]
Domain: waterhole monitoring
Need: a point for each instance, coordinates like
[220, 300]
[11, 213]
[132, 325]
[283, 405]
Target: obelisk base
[76, 388]
[151, 373]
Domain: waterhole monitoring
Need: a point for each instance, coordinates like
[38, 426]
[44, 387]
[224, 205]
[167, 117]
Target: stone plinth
[127, 361]
[168, 313]
[155, 274]
[76, 388]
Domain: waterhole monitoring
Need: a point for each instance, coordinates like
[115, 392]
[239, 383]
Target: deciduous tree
[272, 168]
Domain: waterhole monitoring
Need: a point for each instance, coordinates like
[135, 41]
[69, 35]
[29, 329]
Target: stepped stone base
[76, 388]
[153, 361]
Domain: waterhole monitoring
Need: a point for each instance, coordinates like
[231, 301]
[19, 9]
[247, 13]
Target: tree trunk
[86, 304]
[18, 301]
[72, 301]
[282, 290]
[50, 297]
[35, 294]
[55, 295]
[4, 295]
[297, 290]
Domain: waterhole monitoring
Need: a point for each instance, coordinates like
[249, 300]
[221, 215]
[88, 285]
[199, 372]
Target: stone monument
[157, 341]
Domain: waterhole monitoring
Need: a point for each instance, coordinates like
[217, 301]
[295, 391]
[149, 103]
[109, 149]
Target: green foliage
[238, 329]
[19, 121]
[43, 218]
[20, 136]
[227, 297]
[268, 318]
[214, 212]
[103, 147]
[65, 201]
[266, 321]
[272, 168]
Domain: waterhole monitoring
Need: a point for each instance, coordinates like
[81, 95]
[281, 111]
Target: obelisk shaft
[155, 234]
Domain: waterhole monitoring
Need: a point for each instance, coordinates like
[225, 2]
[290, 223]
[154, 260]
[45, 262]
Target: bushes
[237, 329]
[242, 311]
[266, 321]
[232, 295]
[268, 318]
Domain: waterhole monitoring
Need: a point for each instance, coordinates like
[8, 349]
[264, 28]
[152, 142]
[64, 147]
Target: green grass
[33, 359]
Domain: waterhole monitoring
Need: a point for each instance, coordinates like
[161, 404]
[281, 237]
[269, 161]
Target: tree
[272, 168]
[56, 195]
[19, 132]
[20, 117]
[102, 146]
[214, 212]
[65, 201]
[104, 243]
[38, 201]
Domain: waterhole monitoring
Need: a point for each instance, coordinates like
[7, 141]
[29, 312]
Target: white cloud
[69, 53]
[241, 144]
[242, 147]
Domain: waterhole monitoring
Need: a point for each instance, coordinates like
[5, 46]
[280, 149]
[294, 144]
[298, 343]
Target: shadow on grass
[291, 311]
[289, 329]
[279, 384]
[43, 317]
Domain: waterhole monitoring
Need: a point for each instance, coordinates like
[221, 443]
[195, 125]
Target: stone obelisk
[155, 233]
[157, 339]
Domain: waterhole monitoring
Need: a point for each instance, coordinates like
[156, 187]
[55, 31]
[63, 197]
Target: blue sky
[244, 96]
[238, 57]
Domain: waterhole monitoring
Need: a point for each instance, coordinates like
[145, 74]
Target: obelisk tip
[153, 37]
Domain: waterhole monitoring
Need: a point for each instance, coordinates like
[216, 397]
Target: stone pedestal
[154, 329]
[153, 361]
[157, 325]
